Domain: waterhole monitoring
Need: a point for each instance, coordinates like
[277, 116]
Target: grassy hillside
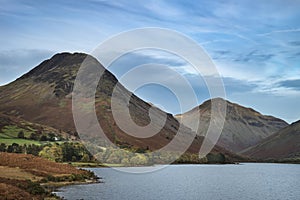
[20, 131]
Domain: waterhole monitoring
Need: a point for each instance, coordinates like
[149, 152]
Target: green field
[12, 132]
[9, 135]
[9, 141]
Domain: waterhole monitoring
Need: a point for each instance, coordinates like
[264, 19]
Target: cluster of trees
[216, 158]
[189, 158]
[63, 152]
[123, 157]
[130, 158]
[39, 136]
[77, 152]
[16, 148]
[33, 188]
[66, 152]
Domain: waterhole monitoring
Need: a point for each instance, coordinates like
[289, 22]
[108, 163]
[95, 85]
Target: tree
[67, 152]
[216, 158]
[14, 148]
[51, 136]
[85, 158]
[18, 148]
[2, 147]
[43, 138]
[113, 159]
[10, 149]
[138, 160]
[34, 149]
[34, 136]
[21, 135]
[52, 152]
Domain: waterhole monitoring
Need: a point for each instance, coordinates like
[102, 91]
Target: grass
[9, 141]
[93, 164]
[9, 135]
[85, 164]
[12, 132]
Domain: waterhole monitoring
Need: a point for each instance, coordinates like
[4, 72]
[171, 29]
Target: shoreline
[99, 165]
[54, 186]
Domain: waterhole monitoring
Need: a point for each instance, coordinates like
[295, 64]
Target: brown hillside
[285, 144]
[30, 177]
[38, 165]
[244, 127]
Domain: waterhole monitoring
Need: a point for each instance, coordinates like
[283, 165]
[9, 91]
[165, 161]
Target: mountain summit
[243, 126]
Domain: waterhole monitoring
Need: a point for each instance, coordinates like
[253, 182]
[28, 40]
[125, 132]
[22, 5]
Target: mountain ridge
[244, 127]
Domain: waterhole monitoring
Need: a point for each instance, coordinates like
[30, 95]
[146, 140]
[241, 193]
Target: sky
[254, 44]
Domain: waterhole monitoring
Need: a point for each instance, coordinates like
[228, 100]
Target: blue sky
[254, 44]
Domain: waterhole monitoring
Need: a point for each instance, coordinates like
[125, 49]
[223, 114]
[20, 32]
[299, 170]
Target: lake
[190, 182]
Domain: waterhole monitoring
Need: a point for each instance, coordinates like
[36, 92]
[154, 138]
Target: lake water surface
[191, 182]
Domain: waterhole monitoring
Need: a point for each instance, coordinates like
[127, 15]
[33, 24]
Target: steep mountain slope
[44, 95]
[244, 127]
[285, 144]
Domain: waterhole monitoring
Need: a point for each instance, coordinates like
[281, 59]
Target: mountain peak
[57, 75]
[64, 59]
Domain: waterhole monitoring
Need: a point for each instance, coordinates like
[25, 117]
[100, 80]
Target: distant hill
[285, 144]
[244, 127]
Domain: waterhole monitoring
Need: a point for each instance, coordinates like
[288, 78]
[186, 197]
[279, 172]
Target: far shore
[109, 165]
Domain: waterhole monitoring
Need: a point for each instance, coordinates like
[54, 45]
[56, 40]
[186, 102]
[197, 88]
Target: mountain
[44, 96]
[244, 127]
[285, 144]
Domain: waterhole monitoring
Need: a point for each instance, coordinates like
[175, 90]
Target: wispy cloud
[280, 31]
[254, 56]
